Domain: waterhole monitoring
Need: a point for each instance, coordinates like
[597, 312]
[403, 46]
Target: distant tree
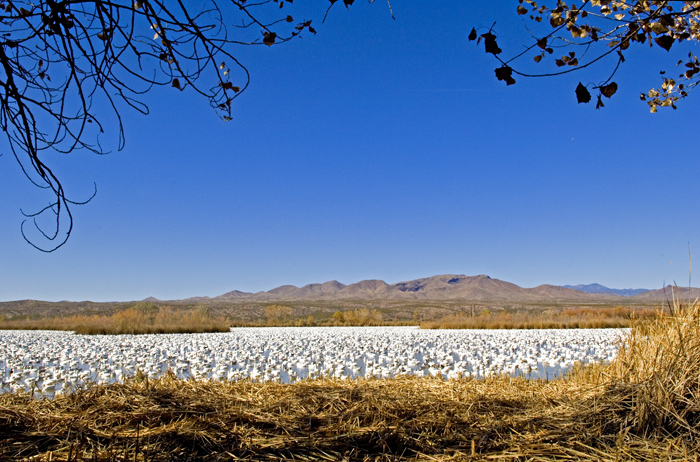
[361, 317]
[277, 313]
[571, 37]
[66, 65]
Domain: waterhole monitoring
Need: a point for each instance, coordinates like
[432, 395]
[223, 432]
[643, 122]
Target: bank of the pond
[642, 406]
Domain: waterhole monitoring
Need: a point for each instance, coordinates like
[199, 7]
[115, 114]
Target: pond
[52, 361]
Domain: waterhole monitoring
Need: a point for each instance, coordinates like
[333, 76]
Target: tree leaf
[472, 35]
[557, 21]
[664, 41]
[505, 73]
[609, 89]
[269, 38]
[229, 86]
[599, 104]
[176, 83]
[582, 94]
[490, 43]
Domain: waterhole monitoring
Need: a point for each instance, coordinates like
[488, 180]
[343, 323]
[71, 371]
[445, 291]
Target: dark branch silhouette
[67, 66]
[600, 29]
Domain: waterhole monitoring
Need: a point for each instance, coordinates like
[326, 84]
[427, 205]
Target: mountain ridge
[601, 289]
[441, 287]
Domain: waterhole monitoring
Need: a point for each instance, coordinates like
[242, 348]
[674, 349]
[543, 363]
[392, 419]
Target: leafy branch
[602, 29]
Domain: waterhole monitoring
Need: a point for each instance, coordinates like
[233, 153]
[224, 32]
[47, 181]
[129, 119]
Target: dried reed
[139, 319]
[570, 318]
[644, 406]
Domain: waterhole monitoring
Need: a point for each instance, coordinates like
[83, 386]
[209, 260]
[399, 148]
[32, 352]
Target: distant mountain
[599, 289]
[670, 292]
[441, 287]
[457, 288]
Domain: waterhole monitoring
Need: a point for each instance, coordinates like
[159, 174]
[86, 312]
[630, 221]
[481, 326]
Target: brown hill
[669, 292]
[440, 287]
[368, 289]
[559, 292]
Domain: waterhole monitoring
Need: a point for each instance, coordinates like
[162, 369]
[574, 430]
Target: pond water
[51, 361]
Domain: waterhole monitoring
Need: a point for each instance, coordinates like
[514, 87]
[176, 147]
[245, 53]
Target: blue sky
[376, 149]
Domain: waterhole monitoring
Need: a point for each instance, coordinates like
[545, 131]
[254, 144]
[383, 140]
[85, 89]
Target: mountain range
[599, 289]
[447, 287]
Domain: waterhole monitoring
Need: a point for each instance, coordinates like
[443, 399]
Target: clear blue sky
[376, 149]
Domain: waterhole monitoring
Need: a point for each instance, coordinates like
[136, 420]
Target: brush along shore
[144, 318]
[645, 406]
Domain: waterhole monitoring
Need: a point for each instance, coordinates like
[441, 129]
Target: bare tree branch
[604, 28]
[61, 60]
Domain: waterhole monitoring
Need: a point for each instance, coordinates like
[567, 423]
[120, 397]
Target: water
[52, 361]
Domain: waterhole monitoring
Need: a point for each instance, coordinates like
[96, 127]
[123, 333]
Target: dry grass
[142, 318]
[569, 318]
[644, 406]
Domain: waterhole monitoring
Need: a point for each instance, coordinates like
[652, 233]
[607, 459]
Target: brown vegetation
[643, 406]
[568, 318]
[150, 318]
[141, 318]
[361, 317]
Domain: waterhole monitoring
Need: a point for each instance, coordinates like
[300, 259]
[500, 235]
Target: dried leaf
[556, 22]
[505, 73]
[582, 94]
[690, 73]
[229, 86]
[472, 35]
[490, 43]
[609, 89]
[522, 9]
[599, 104]
[664, 41]
[176, 83]
[269, 38]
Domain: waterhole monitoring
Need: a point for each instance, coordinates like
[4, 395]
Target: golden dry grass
[644, 406]
[569, 318]
[141, 318]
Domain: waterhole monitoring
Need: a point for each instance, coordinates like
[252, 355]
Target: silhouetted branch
[61, 60]
[604, 28]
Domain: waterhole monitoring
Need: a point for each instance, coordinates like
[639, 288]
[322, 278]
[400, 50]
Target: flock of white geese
[49, 362]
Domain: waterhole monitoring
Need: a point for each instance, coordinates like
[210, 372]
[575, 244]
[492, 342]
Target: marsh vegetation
[162, 317]
[642, 406]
